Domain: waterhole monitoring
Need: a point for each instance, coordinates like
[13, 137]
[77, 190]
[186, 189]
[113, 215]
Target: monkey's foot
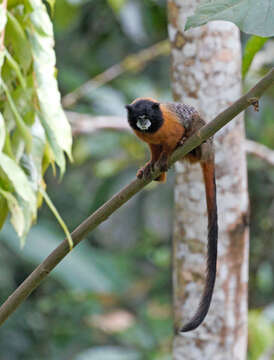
[145, 172]
[161, 178]
[162, 164]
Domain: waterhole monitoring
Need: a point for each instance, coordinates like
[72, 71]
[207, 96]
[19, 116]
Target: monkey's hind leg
[145, 171]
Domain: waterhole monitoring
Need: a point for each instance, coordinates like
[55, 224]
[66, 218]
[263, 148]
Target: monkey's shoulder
[187, 115]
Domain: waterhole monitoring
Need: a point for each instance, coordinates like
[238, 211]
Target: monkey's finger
[147, 171]
[140, 173]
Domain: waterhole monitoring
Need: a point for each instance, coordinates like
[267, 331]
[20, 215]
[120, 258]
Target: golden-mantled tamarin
[164, 126]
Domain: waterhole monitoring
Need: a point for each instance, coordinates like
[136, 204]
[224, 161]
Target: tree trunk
[206, 73]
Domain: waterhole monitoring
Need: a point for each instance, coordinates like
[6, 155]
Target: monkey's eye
[143, 122]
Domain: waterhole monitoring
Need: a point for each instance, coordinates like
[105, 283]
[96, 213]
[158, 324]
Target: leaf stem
[57, 215]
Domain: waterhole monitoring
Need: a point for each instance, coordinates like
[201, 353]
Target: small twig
[259, 150]
[130, 63]
[255, 103]
[100, 215]
[87, 124]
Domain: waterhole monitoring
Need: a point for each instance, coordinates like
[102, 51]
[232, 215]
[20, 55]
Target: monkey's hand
[182, 141]
[145, 172]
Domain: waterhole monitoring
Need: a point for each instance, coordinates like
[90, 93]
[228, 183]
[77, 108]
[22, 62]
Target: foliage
[252, 17]
[260, 333]
[253, 45]
[33, 129]
[122, 270]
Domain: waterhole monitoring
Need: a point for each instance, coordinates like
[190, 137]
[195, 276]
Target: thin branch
[100, 215]
[259, 150]
[88, 124]
[130, 63]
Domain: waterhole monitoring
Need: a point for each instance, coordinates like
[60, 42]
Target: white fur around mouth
[143, 123]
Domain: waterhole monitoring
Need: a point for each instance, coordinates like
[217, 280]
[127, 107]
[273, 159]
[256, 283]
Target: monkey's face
[145, 115]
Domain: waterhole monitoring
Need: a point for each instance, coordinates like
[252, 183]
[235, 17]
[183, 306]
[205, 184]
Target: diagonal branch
[100, 215]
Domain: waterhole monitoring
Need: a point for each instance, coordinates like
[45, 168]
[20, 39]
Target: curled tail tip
[202, 312]
[186, 328]
[192, 325]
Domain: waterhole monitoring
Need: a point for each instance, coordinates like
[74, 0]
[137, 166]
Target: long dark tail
[210, 188]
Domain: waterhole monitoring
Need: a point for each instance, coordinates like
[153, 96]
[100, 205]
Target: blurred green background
[111, 298]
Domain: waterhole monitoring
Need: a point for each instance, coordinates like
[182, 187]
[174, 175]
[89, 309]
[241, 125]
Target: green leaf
[52, 115]
[253, 45]
[17, 216]
[51, 4]
[22, 127]
[12, 3]
[116, 5]
[29, 217]
[19, 180]
[2, 132]
[14, 65]
[23, 99]
[251, 16]
[4, 210]
[35, 158]
[15, 38]
[2, 57]
[260, 334]
[33, 126]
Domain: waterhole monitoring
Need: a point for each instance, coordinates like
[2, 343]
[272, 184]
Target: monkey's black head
[145, 115]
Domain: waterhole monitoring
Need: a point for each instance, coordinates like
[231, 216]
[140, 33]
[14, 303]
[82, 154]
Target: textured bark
[206, 74]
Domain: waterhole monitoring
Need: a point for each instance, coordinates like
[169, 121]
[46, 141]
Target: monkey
[164, 127]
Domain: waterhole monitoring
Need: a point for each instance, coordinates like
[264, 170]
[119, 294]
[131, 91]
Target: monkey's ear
[128, 107]
[155, 106]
